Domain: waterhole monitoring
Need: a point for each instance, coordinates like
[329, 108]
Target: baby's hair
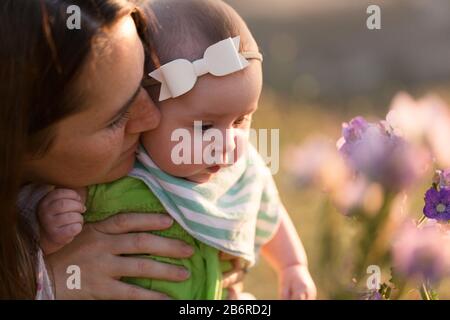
[186, 28]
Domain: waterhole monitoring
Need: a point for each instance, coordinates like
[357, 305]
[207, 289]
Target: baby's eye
[242, 121]
[206, 127]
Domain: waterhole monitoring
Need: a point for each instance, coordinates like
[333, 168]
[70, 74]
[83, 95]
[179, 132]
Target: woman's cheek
[108, 144]
[104, 151]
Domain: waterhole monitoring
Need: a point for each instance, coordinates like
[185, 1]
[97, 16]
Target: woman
[71, 114]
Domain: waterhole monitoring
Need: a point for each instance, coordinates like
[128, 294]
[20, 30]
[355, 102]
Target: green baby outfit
[132, 195]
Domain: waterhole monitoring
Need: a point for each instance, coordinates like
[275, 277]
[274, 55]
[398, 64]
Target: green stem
[370, 236]
[330, 249]
[423, 289]
[421, 221]
[424, 292]
[401, 289]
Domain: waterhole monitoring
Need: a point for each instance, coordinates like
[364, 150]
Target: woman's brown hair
[40, 60]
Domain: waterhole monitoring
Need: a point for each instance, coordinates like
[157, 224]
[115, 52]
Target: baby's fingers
[295, 294]
[64, 227]
[311, 293]
[64, 219]
[58, 194]
[65, 234]
[285, 292]
[303, 296]
[303, 293]
[62, 206]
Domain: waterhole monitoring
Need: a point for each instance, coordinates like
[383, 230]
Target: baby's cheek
[163, 152]
[190, 165]
[171, 157]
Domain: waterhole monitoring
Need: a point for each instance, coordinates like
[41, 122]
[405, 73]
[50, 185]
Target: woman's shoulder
[29, 197]
[27, 201]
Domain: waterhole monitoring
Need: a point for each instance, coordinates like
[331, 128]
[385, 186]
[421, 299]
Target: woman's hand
[97, 252]
[233, 279]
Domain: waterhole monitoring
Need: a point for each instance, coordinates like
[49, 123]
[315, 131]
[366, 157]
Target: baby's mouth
[214, 169]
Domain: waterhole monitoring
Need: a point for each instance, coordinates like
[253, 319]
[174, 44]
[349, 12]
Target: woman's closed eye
[120, 122]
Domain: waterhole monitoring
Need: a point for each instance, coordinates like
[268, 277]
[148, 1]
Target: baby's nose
[228, 146]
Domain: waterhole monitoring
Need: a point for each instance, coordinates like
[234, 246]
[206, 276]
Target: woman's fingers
[123, 291]
[226, 257]
[232, 277]
[134, 222]
[237, 274]
[93, 252]
[145, 243]
[238, 263]
[235, 290]
[148, 268]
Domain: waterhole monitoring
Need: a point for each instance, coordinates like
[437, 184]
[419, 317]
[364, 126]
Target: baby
[206, 74]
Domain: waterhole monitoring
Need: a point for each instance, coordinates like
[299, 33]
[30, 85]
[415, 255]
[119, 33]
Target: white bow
[180, 76]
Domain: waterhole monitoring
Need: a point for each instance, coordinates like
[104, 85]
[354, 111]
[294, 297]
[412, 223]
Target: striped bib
[237, 211]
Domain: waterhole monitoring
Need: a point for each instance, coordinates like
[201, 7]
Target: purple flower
[372, 295]
[442, 178]
[354, 130]
[437, 204]
[422, 254]
[373, 150]
[317, 163]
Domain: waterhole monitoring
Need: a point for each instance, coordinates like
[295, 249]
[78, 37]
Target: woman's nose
[144, 115]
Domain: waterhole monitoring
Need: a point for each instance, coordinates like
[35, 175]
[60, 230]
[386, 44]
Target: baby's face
[222, 103]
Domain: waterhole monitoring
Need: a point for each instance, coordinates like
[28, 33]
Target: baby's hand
[60, 218]
[297, 284]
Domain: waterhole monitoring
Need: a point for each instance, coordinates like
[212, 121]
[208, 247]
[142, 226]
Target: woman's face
[98, 144]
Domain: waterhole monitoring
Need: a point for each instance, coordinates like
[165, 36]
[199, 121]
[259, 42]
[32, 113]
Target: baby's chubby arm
[60, 215]
[286, 254]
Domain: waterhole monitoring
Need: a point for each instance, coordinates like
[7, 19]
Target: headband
[180, 76]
